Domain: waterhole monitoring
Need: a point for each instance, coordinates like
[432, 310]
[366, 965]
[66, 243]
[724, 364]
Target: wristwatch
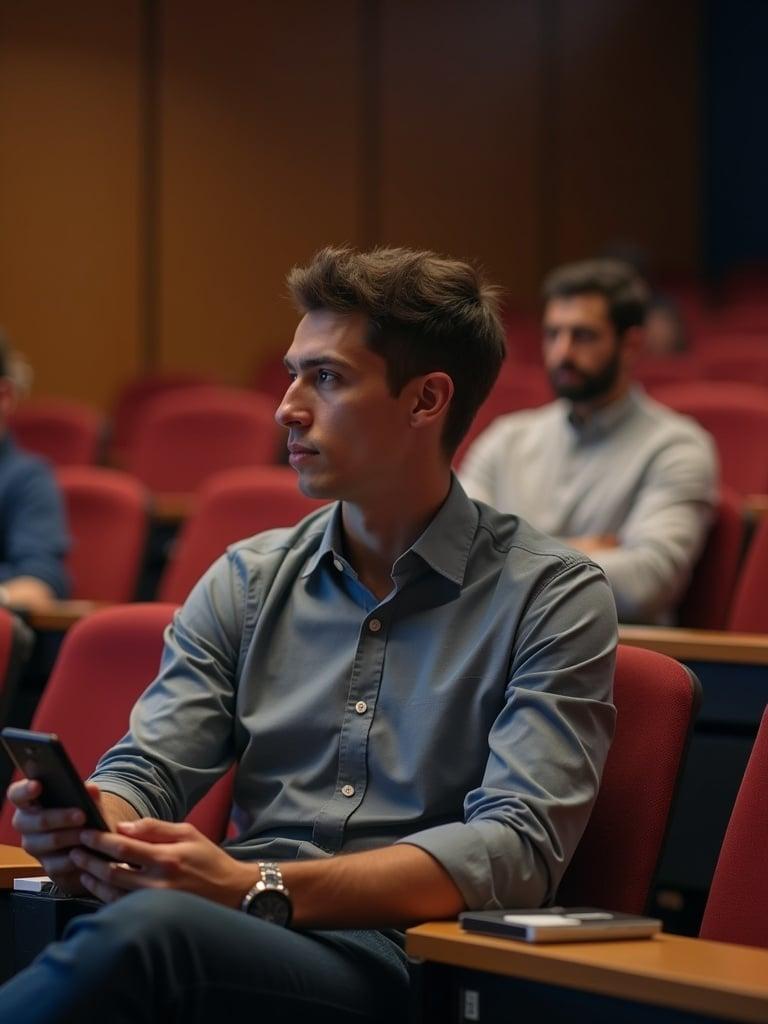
[268, 898]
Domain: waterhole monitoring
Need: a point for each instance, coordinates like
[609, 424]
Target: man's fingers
[41, 844]
[24, 791]
[117, 876]
[152, 830]
[151, 856]
[29, 821]
[101, 890]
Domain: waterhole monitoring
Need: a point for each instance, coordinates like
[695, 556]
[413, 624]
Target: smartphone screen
[41, 756]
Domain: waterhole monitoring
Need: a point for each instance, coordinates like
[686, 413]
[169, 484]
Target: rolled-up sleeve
[180, 739]
[546, 751]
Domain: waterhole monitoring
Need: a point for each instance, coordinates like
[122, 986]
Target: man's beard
[593, 385]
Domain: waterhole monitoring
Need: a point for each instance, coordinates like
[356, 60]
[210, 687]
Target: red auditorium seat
[749, 608]
[188, 435]
[737, 360]
[737, 417]
[66, 433]
[107, 512]
[737, 905]
[231, 505]
[135, 397]
[16, 641]
[708, 598]
[653, 372]
[105, 662]
[614, 865]
[518, 387]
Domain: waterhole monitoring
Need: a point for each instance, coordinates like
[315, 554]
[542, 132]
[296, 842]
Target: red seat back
[105, 663]
[188, 435]
[66, 433]
[749, 608]
[136, 396]
[232, 505]
[16, 641]
[614, 865]
[737, 906]
[737, 417]
[518, 387]
[708, 598]
[107, 513]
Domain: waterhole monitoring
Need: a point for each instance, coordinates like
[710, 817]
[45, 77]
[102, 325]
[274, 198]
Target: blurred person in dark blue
[33, 532]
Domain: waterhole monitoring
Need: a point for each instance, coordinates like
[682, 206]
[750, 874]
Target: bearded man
[604, 468]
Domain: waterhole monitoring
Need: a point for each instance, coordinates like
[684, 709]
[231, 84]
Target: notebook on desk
[560, 924]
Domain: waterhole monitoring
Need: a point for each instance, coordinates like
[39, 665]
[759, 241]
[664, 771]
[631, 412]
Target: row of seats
[173, 438]
[186, 433]
[109, 518]
[656, 699]
[108, 512]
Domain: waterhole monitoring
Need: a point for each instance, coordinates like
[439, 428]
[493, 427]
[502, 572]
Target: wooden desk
[757, 504]
[699, 644]
[712, 979]
[60, 615]
[15, 863]
[172, 509]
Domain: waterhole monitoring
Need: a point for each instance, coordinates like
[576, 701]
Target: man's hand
[50, 834]
[152, 854]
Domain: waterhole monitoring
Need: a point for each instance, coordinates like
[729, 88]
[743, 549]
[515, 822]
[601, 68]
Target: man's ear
[431, 398]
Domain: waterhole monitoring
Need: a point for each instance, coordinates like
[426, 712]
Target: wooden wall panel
[69, 191]
[259, 166]
[459, 137]
[626, 130]
[163, 164]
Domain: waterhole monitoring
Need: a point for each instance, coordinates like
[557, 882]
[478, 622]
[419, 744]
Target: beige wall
[163, 164]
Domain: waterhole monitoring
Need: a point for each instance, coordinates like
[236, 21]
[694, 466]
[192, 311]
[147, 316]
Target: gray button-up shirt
[634, 469]
[467, 713]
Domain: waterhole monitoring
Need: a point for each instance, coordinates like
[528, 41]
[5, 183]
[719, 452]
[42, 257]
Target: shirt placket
[362, 695]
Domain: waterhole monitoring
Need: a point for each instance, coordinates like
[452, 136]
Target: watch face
[271, 905]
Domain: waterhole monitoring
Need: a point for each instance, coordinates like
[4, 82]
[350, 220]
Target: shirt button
[374, 625]
[338, 565]
[361, 707]
[348, 790]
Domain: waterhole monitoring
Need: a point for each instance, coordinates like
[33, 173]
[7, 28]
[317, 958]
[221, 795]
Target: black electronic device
[41, 756]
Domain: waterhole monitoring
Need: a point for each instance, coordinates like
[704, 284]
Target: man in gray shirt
[415, 690]
[606, 469]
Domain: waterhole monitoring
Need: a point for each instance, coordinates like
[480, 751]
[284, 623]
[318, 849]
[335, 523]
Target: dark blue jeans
[168, 956]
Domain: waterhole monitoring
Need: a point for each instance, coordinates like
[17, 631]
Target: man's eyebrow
[312, 362]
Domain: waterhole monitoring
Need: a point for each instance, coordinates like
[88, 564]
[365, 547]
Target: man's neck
[376, 534]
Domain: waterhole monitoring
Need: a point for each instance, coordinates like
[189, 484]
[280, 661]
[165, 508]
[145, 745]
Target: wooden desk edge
[699, 644]
[15, 863]
[60, 615]
[741, 996]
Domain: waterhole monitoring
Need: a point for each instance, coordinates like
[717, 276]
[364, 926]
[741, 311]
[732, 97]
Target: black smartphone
[41, 756]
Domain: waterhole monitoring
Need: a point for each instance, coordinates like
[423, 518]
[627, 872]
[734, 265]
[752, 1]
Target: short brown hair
[425, 312]
[618, 282]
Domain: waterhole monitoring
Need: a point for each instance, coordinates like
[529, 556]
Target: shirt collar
[603, 421]
[444, 545]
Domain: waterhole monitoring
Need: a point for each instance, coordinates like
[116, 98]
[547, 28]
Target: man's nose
[292, 410]
[560, 346]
